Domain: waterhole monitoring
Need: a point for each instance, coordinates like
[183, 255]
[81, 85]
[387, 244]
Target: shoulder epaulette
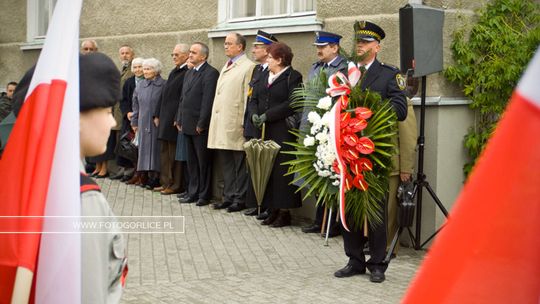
[88, 184]
[389, 66]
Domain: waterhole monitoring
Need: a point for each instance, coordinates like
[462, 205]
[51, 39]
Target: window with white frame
[39, 13]
[246, 10]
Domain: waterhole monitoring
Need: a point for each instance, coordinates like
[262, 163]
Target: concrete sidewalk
[231, 258]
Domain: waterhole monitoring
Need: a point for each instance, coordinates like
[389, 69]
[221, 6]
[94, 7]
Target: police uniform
[338, 64]
[250, 131]
[385, 80]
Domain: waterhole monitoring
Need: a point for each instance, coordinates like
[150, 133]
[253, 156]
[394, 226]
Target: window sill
[33, 45]
[274, 26]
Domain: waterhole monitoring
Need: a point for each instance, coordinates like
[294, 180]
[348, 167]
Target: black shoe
[101, 176]
[313, 228]
[202, 202]
[187, 200]
[251, 212]
[222, 205]
[181, 195]
[236, 207]
[117, 176]
[348, 271]
[125, 178]
[377, 276]
[264, 215]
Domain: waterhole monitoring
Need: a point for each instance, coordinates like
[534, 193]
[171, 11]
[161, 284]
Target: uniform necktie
[229, 63]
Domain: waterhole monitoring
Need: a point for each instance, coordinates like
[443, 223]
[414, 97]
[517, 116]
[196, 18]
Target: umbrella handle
[263, 131]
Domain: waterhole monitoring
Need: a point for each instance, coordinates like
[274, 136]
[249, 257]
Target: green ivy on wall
[489, 62]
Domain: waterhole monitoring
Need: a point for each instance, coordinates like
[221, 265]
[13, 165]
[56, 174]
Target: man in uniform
[331, 62]
[258, 50]
[383, 79]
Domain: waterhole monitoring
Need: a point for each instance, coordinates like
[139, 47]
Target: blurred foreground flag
[489, 251]
[39, 174]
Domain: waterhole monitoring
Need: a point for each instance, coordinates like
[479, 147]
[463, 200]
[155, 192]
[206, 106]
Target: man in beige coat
[226, 125]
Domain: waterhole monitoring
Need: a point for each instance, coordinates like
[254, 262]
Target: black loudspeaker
[420, 33]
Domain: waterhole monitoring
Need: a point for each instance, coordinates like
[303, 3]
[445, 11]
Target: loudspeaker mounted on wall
[420, 32]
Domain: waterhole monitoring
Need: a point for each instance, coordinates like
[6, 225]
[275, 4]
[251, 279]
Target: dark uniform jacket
[169, 103]
[197, 99]
[250, 131]
[381, 78]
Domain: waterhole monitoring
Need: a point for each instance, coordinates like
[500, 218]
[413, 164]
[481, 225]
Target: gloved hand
[256, 120]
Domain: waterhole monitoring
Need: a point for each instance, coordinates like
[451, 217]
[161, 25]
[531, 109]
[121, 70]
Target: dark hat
[325, 38]
[99, 83]
[264, 38]
[365, 30]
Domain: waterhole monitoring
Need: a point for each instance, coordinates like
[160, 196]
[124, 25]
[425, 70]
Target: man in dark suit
[193, 118]
[171, 170]
[386, 81]
[259, 53]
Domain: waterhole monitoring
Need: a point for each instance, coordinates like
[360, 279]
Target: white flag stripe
[529, 85]
[59, 267]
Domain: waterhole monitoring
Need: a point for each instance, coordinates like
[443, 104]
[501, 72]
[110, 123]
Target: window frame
[258, 12]
[33, 39]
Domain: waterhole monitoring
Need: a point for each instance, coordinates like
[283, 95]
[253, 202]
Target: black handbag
[406, 205]
[126, 148]
[293, 121]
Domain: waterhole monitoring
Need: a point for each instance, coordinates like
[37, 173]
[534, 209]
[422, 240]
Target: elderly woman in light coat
[145, 100]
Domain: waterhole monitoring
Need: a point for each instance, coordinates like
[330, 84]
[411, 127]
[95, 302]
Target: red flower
[363, 113]
[365, 146]
[335, 167]
[360, 183]
[357, 124]
[356, 167]
[348, 182]
[351, 139]
[345, 118]
[350, 154]
[365, 164]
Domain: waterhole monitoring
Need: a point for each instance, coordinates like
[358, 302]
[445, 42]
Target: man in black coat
[193, 119]
[171, 170]
[386, 81]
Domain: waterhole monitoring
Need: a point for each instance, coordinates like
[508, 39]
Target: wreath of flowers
[344, 148]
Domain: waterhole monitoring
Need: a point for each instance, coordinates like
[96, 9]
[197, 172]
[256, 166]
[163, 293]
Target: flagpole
[22, 285]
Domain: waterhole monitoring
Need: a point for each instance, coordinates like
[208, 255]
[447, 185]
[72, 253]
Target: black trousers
[199, 165]
[354, 241]
[235, 177]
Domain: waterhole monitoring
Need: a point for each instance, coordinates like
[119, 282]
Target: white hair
[184, 48]
[153, 63]
[136, 61]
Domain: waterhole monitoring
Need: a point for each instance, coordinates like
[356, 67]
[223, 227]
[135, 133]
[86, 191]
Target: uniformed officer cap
[368, 31]
[264, 38]
[325, 38]
[99, 83]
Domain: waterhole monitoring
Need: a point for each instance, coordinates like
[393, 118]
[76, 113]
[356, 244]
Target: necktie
[229, 63]
[325, 66]
[362, 69]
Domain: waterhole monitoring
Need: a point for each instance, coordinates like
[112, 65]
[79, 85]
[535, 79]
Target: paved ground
[231, 258]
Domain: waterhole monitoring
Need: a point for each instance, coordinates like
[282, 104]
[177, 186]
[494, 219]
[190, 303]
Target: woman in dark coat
[271, 105]
[145, 100]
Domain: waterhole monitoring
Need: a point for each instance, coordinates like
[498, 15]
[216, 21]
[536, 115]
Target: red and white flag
[39, 171]
[489, 250]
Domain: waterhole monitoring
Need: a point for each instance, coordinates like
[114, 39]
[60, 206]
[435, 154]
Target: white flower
[325, 103]
[325, 120]
[315, 128]
[322, 137]
[336, 183]
[309, 141]
[313, 117]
